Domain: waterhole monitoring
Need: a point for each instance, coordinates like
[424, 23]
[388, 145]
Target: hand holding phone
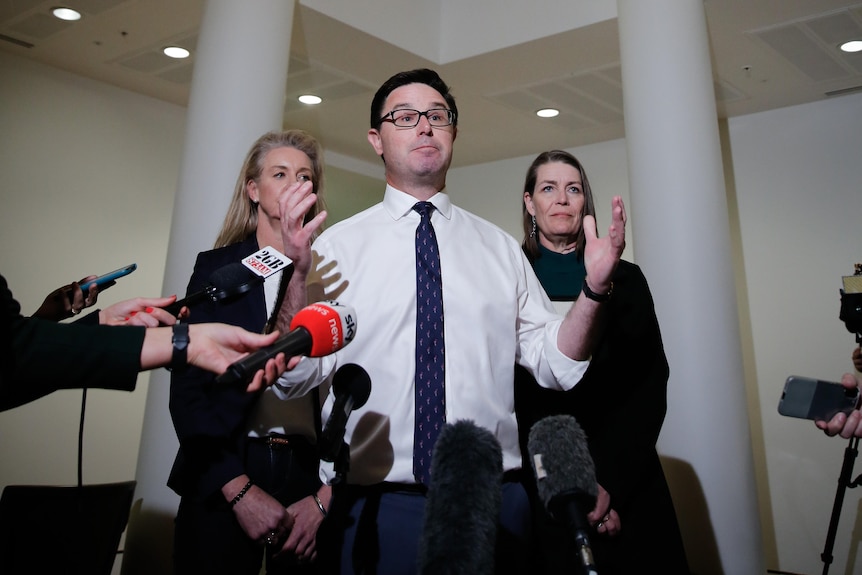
[815, 399]
[109, 277]
[69, 300]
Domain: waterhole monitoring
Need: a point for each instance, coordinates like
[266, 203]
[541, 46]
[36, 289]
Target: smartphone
[809, 398]
[109, 277]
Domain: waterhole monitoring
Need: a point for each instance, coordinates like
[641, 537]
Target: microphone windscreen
[331, 325]
[463, 504]
[352, 379]
[232, 280]
[560, 458]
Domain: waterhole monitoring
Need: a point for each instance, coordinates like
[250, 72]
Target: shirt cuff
[567, 371]
[308, 374]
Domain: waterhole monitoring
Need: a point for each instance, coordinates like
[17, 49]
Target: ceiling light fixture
[64, 13]
[852, 46]
[310, 99]
[547, 112]
[175, 52]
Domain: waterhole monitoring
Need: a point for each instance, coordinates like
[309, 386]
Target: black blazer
[209, 418]
[39, 356]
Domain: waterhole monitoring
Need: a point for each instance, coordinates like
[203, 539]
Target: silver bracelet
[319, 505]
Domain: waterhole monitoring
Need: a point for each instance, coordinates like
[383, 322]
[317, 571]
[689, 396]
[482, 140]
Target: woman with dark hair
[621, 401]
[247, 468]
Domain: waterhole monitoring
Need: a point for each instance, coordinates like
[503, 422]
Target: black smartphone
[108, 277]
[809, 398]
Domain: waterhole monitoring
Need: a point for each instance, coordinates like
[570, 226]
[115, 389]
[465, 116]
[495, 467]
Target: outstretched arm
[213, 347]
[582, 323]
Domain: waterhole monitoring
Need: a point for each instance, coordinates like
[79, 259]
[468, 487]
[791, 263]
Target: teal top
[560, 274]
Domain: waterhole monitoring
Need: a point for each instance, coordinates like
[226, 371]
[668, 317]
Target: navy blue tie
[430, 357]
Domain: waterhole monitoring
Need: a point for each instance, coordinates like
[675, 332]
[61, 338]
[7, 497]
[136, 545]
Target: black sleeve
[207, 417]
[40, 356]
[633, 370]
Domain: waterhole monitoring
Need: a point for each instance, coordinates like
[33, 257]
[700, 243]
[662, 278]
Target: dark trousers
[207, 537]
[378, 530]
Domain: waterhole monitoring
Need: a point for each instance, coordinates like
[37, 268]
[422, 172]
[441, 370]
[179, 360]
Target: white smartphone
[809, 398]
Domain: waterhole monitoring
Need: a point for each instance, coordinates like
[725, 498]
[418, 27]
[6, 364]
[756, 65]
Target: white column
[237, 94]
[682, 239]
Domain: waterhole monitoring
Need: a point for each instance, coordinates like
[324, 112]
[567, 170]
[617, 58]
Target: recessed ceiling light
[64, 13]
[852, 46]
[309, 99]
[547, 112]
[175, 52]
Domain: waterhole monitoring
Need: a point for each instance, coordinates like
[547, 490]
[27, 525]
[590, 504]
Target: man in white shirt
[496, 315]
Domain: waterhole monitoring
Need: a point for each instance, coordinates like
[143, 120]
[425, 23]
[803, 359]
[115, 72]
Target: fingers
[617, 229]
[297, 197]
[849, 380]
[92, 295]
[589, 223]
[846, 426]
[293, 362]
[256, 383]
[257, 340]
[618, 208]
[610, 524]
[267, 376]
[141, 311]
[602, 506]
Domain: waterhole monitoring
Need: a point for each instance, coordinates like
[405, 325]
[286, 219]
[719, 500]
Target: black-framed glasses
[406, 118]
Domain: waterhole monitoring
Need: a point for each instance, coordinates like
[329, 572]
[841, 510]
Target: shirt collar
[398, 204]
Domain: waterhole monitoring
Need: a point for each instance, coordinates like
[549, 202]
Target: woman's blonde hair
[241, 218]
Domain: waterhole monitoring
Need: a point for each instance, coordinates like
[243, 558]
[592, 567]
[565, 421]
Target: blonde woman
[247, 467]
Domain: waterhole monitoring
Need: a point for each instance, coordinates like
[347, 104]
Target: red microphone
[316, 330]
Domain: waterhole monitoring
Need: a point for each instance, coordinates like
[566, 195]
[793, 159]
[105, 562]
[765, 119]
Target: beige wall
[89, 174]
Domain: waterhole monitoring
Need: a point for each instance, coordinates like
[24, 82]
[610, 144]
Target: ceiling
[766, 54]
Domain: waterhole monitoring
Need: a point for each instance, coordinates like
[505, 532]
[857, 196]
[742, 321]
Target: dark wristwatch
[179, 359]
[597, 297]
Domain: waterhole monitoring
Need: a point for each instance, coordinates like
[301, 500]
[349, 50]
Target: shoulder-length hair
[531, 244]
[241, 218]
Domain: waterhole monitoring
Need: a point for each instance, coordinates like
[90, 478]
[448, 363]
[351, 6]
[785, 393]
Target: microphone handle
[572, 507]
[332, 435]
[194, 299]
[297, 342]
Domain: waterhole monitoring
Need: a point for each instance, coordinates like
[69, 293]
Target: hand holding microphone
[224, 284]
[316, 330]
[566, 478]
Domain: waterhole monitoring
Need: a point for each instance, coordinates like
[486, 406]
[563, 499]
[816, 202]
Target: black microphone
[351, 386]
[463, 504]
[566, 478]
[223, 285]
[316, 330]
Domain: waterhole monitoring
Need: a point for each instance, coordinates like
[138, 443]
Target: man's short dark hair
[420, 76]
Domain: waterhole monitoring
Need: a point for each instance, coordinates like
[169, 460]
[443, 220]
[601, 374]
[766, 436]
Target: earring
[533, 232]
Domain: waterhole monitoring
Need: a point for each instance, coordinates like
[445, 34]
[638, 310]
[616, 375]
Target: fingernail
[125, 319]
[149, 310]
[133, 313]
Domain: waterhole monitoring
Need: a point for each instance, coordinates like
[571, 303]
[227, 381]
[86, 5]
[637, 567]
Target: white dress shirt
[495, 314]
